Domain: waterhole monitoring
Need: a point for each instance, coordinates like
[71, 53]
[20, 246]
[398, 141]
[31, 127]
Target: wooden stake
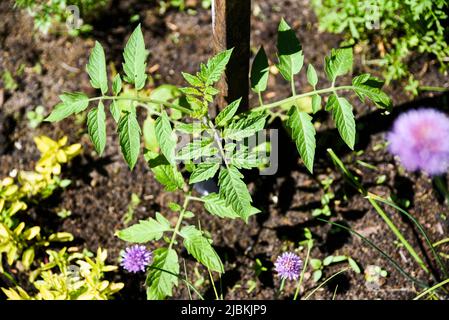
[231, 23]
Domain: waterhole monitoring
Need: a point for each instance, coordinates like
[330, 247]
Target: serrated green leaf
[200, 248]
[260, 71]
[235, 192]
[145, 230]
[338, 63]
[197, 149]
[316, 103]
[163, 275]
[312, 77]
[96, 68]
[165, 137]
[343, 117]
[129, 135]
[245, 127]
[117, 84]
[203, 172]
[290, 54]
[165, 173]
[96, 126]
[192, 80]
[244, 159]
[217, 206]
[367, 86]
[227, 113]
[71, 103]
[135, 56]
[212, 71]
[303, 133]
[115, 111]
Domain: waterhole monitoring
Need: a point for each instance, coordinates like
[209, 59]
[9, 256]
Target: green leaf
[316, 103]
[117, 84]
[234, 191]
[145, 230]
[71, 103]
[260, 72]
[96, 126]
[165, 137]
[367, 86]
[165, 173]
[245, 159]
[343, 117]
[303, 132]
[212, 71]
[290, 53]
[354, 265]
[339, 63]
[217, 206]
[197, 149]
[135, 56]
[129, 135]
[200, 248]
[203, 172]
[312, 77]
[149, 135]
[115, 111]
[163, 274]
[96, 68]
[246, 127]
[192, 80]
[227, 113]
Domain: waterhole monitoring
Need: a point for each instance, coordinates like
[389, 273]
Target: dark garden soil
[101, 189]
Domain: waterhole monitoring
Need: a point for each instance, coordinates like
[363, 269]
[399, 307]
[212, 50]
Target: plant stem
[293, 86]
[259, 94]
[147, 100]
[178, 223]
[324, 282]
[306, 263]
[295, 97]
[432, 88]
[217, 139]
[213, 285]
[422, 294]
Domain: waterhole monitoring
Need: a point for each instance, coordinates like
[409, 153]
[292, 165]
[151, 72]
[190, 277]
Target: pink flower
[420, 138]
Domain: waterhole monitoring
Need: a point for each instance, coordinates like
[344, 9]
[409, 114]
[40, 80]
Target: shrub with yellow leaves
[17, 241]
[83, 280]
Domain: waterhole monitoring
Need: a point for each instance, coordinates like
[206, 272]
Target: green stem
[432, 88]
[259, 94]
[295, 97]
[147, 100]
[178, 223]
[293, 86]
[422, 294]
[324, 282]
[301, 278]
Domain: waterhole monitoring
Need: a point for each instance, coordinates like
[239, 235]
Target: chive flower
[136, 258]
[420, 139]
[288, 266]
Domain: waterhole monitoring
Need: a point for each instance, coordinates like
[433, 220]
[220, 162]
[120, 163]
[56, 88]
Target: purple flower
[420, 139]
[136, 258]
[288, 265]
